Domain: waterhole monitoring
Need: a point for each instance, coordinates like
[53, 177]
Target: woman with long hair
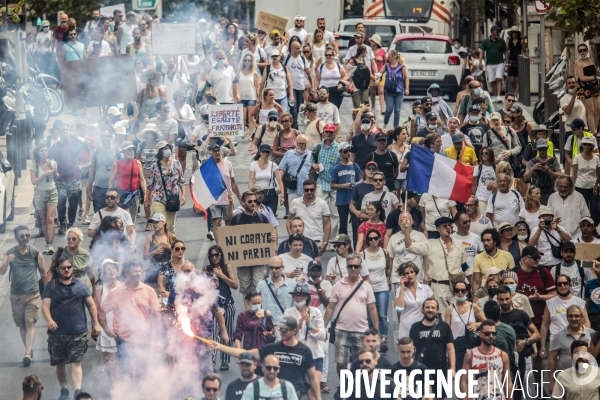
[521, 126]
[485, 176]
[248, 83]
[585, 172]
[229, 44]
[217, 268]
[312, 65]
[587, 86]
[360, 97]
[318, 46]
[168, 271]
[332, 75]
[152, 94]
[376, 221]
[531, 212]
[379, 265]
[157, 248]
[79, 257]
[254, 327]
[400, 147]
[515, 47]
[491, 286]
[42, 172]
[146, 153]
[376, 86]
[258, 53]
[263, 173]
[267, 103]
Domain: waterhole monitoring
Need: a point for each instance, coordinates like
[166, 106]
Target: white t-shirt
[412, 309]
[578, 240]
[376, 271]
[352, 52]
[578, 110]
[328, 113]
[277, 80]
[557, 308]
[569, 143]
[296, 66]
[43, 41]
[543, 245]
[264, 177]
[570, 210]
[290, 264]
[480, 225]
[106, 51]
[473, 246]
[119, 212]
[337, 264]
[586, 171]
[312, 215]
[505, 207]
[431, 208]
[532, 219]
[488, 175]
[222, 83]
[389, 199]
[185, 112]
[572, 271]
[302, 34]
[397, 250]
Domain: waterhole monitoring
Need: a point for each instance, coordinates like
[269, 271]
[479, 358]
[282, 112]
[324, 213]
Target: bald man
[275, 289]
[271, 383]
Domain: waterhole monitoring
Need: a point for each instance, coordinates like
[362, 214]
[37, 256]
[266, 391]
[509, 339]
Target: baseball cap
[314, 264]
[342, 238]
[247, 358]
[257, 189]
[359, 34]
[157, 217]
[380, 136]
[516, 108]
[365, 118]
[410, 194]
[329, 128]
[45, 23]
[495, 28]
[588, 219]
[457, 138]
[264, 147]
[567, 246]
[275, 53]
[344, 146]
[493, 271]
[371, 163]
[416, 103]
[287, 323]
[541, 143]
[576, 123]
[495, 115]
[474, 108]
[430, 115]
[214, 146]
[275, 32]
[443, 220]
[425, 99]
[531, 252]
[273, 114]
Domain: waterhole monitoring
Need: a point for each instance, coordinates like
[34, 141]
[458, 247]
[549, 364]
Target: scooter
[555, 78]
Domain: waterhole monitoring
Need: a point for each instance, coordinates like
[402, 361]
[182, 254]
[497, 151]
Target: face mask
[584, 57]
[46, 28]
[137, 40]
[477, 92]
[460, 300]
[474, 118]
[365, 127]
[522, 237]
[254, 308]
[220, 63]
[492, 292]
[272, 124]
[571, 90]
[167, 153]
[300, 304]
[456, 46]
[63, 24]
[432, 126]
[435, 99]
[513, 288]
[399, 309]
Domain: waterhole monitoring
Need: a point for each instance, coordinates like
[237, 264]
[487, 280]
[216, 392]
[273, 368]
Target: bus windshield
[409, 10]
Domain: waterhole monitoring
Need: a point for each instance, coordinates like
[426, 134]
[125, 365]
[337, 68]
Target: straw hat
[376, 38]
[514, 28]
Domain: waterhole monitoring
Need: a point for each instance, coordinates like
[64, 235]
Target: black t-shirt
[362, 147]
[391, 222]
[245, 219]
[530, 151]
[418, 378]
[435, 346]
[68, 306]
[518, 320]
[310, 248]
[360, 191]
[294, 362]
[386, 164]
[475, 133]
[235, 390]
[423, 132]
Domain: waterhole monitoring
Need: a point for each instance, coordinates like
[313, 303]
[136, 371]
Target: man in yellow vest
[574, 141]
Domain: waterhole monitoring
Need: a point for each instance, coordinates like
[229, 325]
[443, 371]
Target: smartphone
[587, 264]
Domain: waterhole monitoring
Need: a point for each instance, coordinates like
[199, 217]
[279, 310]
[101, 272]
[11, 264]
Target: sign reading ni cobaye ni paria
[246, 245]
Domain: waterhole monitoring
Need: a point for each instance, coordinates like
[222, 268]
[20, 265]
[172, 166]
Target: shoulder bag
[128, 197]
[555, 247]
[454, 278]
[274, 296]
[513, 160]
[172, 200]
[472, 338]
[312, 173]
[291, 182]
[333, 322]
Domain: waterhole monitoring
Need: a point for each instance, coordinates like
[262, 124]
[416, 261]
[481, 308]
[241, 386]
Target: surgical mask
[365, 127]
[478, 92]
[435, 99]
[46, 28]
[522, 237]
[255, 307]
[300, 303]
[220, 63]
[167, 153]
[459, 299]
[513, 288]
[399, 309]
[273, 124]
[571, 90]
[432, 126]
[474, 118]
[584, 57]
[63, 24]
[492, 292]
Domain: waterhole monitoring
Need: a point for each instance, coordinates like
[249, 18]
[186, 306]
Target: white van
[387, 29]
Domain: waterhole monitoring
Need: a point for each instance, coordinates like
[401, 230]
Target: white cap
[299, 17]
[113, 111]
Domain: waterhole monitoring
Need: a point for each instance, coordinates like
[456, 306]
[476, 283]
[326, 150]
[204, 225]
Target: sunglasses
[72, 239]
[251, 201]
[283, 121]
[179, 249]
[372, 168]
[372, 238]
[211, 389]
[489, 333]
[283, 330]
[563, 284]
[460, 290]
[508, 121]
[366, 361]
[301, 143]
[310, 190]
[274, 267]
[272, 367]
[379, 180]
[272, 119]
[306, 52]
[25, 236]
[322, 93]
[215, 255]
[485, 153]
[510, 100]
[344, 151]
[65, 267]
[466, 222]
[353, 266]
[582, 50]
[534, 258]
[426, 104]
[328, 55]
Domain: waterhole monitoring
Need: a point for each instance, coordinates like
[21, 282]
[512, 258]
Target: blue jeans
[393, 102]
[298, 100]
[284, 103]
[209, 221]
[381, 302]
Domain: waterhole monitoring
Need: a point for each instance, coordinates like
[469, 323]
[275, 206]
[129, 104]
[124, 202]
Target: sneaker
[62, 229]
[49, 249]
[210, 236]
[64, 394]
[76, 392]
[499, 99]
[79, 215]
[383, 347]
[69, 226]
[86, 220]
[26, 361]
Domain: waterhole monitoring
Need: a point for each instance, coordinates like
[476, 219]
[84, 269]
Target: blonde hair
[241, 66]
[396, 54]
[500, 169]
[76, 231]
[417, 140]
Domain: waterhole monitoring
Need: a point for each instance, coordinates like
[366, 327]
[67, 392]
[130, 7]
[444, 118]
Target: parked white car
[387, 29]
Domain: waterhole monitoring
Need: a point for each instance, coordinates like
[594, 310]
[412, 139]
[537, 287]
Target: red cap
[329, 128]
[372, 163]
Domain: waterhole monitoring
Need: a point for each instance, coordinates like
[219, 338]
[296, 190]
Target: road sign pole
[542, 54]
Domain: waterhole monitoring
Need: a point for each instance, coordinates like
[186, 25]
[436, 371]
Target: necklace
[375, 256]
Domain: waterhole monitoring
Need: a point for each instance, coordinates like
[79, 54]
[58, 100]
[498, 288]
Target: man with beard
[392, 224]
[261, 208]
[474, 128]
[276, 43]
[57, 34]
[371, 341]
[506, 204]
[112, 208]
[387, 161]
[146, 34]
[247, 365]
[476, 93]
[406, 353]
[269, 386]
[471, 241]
[125, 32]
[505, 335]
[573, 269]
[491, 365]
[297, 163]
[431, 126]
[91, 25]
[72, 49]
[310, 247]
[336, 267]
[327, 111]
[568, 204]
[140, 49]
[587, 228]
[491, 257]
[367, 362]
[298, 29]
[433, 341]
[569, 381]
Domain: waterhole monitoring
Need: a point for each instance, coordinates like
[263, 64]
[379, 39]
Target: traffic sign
[542, 6]
[144, 4]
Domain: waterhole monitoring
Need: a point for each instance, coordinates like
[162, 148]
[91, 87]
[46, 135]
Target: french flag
[206, 185]
[439, 176]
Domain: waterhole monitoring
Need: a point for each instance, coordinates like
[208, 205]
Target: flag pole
[405, 199]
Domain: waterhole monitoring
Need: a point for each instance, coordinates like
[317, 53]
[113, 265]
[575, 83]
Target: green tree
[576, 17]
[81, 10]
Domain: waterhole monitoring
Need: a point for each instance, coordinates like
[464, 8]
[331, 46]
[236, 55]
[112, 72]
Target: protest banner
[108, 11]
[267, 22]
[246, 245]
[226, 120]
[173, 39]
[586, 251]
[98, 81]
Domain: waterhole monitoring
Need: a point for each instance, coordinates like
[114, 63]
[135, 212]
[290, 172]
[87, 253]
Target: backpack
[288, 59]
[261, 218]
[541, 179]
[392, 78]
[262, 133]
[256, 389]
[361, 76]
[493, 199]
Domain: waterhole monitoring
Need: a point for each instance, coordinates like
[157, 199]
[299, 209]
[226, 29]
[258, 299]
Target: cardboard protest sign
[267, 22]
[98, 81]
[246, 245]
[108, 11]
[226, 119]
[587, 251]
[174, 39]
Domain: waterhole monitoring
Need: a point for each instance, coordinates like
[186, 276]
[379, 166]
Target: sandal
[149, 226]
[325, 388]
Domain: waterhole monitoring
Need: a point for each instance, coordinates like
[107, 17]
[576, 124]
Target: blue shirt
[266, 392]
[345, 174]
[592, 292]
[328, 157]
[290, 163]
[282, 292]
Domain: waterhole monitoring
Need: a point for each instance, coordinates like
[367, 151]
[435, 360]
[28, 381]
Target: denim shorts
[248, 103]
[42, 198]
[319, 364]
[400, 183]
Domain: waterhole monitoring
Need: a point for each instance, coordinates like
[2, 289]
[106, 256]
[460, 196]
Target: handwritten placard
[173, 39]
[226, 119]
[267, 22]
[587, 251]
[246, 245]
[108, 11]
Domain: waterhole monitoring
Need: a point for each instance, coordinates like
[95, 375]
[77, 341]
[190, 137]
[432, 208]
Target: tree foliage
[81, 10]
[576, 16]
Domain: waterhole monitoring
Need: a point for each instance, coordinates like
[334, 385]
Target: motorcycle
[47, 85]
[555, 78]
